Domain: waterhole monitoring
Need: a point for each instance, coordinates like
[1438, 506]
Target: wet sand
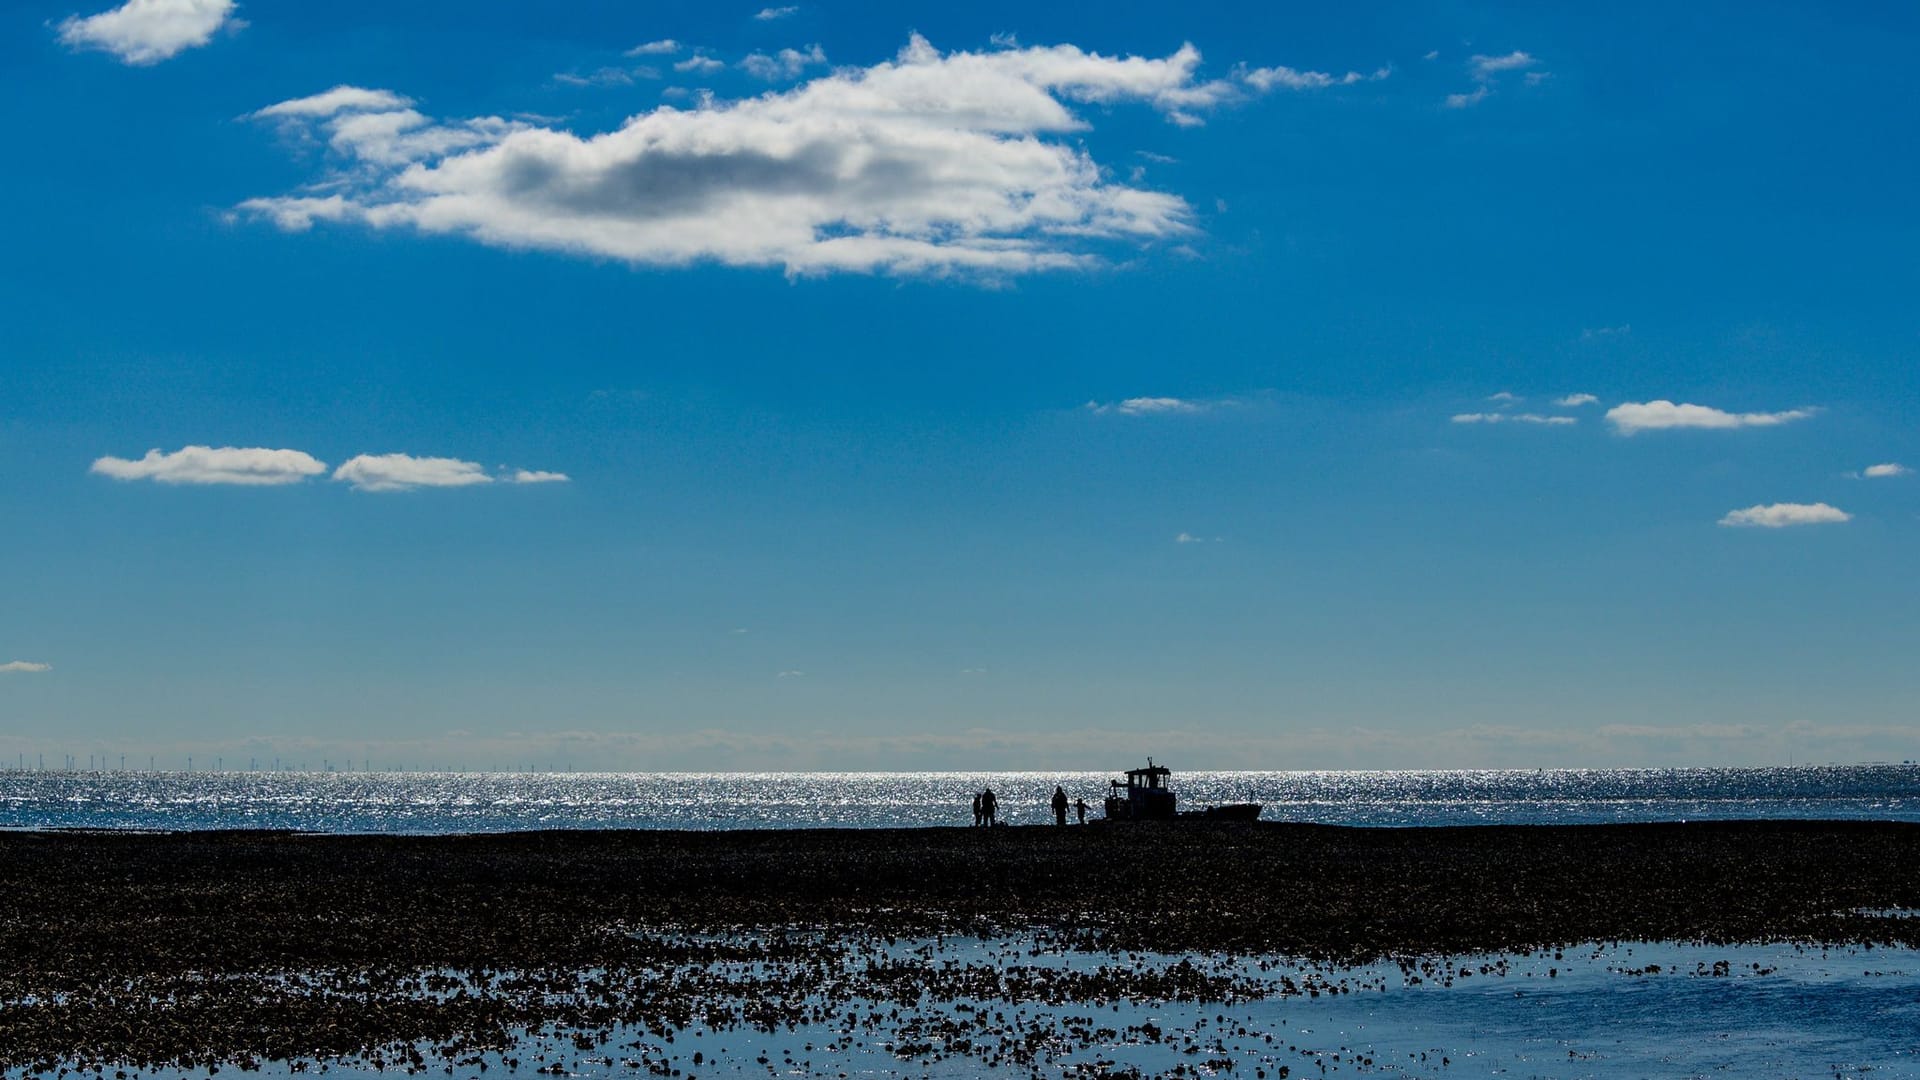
[193, 949]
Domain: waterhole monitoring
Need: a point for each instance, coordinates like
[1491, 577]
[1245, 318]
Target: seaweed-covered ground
[197, 949]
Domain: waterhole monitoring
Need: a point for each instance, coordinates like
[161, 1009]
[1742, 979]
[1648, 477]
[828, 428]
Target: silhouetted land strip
[269, 944]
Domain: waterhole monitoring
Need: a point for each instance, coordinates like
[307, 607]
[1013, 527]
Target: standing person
[977, 816]
[1059, 805]
[1081, 805]
[989, 806]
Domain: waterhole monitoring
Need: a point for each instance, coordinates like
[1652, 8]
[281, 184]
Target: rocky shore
[137, 950]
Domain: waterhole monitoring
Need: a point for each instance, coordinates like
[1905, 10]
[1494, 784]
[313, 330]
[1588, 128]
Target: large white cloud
[254, 466]
[1634, 417]
[148, 31]
[927, 163]
[1881, 472]
[1781, 515]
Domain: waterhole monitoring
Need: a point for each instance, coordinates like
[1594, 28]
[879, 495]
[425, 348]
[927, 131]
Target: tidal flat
[1181, 949]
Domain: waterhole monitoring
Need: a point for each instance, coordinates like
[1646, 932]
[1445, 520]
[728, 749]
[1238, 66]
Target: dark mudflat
[94, 925]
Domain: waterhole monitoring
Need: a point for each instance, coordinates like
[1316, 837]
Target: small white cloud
[1485, 71]
[1880, 472]
[1506, 396]
[663, 47]
[1147, 406]
[404, 472]
[607, 76]
[1485, 67]
[1535, 78]
[1513, 418]
[1597, 333]
[1574, 401]
[340, 99]
[1189, 538]
[1286, 78]
[791, 674]
[535, 476]
[1634, 417]
[249, 466]
[1432, 55]
[144, 32]
[785, 64]
[23, 667]
[769, 14]
[1004, 39]
[1782, 515]
[699, 65]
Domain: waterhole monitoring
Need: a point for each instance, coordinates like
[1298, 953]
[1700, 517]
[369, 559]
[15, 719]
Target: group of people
[986, 808]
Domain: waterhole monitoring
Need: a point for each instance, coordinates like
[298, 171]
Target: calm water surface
[373, 802]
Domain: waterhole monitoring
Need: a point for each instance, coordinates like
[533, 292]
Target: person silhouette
[1081, 805]
[989, 807]
[1059, 805]
[978, 817]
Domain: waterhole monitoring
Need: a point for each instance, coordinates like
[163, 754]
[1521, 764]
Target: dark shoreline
[97, 925]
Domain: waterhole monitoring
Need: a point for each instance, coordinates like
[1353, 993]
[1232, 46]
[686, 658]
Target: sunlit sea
[386, 802]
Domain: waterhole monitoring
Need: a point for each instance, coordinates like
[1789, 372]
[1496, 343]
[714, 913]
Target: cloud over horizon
[1632, 418]
[929, 163]
[145, 32]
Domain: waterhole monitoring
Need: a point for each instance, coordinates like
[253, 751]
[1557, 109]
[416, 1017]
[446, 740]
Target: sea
[1598, 1010]
[467, 802]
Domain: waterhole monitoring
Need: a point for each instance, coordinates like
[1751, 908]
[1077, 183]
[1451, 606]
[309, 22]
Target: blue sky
[961, 386]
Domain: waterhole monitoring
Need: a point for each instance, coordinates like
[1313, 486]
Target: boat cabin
[1144, 796]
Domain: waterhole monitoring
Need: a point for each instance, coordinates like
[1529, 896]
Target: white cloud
[791, 673]
[1286, 78]
[1513, 418]
[699, 65]
[404, 472]
[24, 666]
[252, 466]
[1596, 333]
[1634, 417]
[769, 14]
[1506, 396]
[535, 476]
[1890, 469]
[148, 31]
[663, 47]
[1485, 70]
[1189, 538]
[927, 163]
[607, 76]
[786, 64]
[1146, 406]
[1574, 401]
[1486, 67]
[339, 99]
[1781, 515]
